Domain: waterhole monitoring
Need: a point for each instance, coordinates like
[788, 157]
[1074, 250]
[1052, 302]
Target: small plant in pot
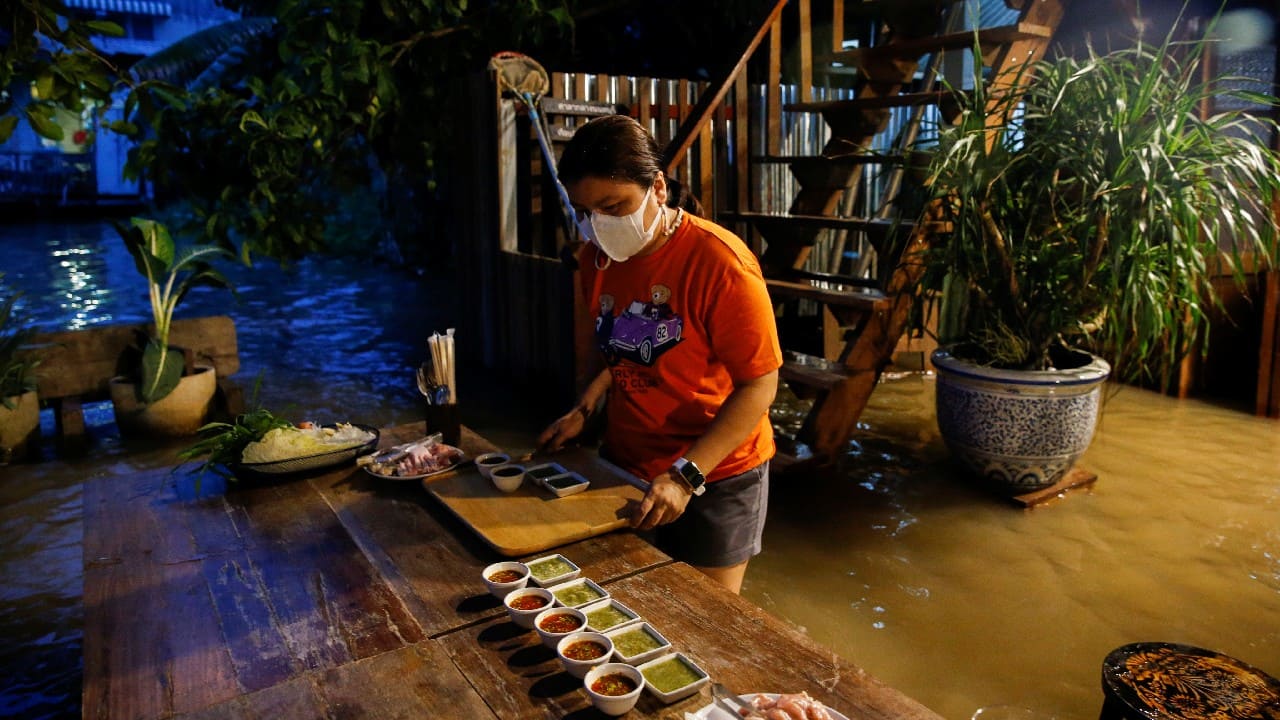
[1089, 213]
[164, 394]
[19, 402]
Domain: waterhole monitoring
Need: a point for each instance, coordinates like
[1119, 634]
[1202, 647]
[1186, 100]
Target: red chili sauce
[561, 623]
[528, 602]
[585, 650]
[505, 576]
[615, 684]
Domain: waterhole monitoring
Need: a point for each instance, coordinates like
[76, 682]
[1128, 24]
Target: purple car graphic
[641, 333]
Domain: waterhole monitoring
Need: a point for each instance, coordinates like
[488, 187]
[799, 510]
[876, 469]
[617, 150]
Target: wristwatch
[692, 476]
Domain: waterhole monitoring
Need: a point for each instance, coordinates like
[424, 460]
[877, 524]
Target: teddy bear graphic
[642, 332]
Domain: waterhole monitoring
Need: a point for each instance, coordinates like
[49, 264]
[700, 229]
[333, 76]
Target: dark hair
[619, 148]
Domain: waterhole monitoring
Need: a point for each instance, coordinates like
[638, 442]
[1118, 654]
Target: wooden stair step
[873, 102]
[866, 158]
[894, 61]
[811, 371]
[826, 222]
[833, 294]
[829, 172]
[798, 275]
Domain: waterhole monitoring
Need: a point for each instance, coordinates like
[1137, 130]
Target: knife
[722, 696]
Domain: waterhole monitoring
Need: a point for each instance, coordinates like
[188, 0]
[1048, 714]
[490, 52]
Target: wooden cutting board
[531, 519]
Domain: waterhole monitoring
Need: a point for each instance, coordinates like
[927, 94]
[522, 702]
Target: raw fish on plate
[418, 462]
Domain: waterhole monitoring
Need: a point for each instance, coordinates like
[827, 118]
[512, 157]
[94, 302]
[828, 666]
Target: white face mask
[620, 236]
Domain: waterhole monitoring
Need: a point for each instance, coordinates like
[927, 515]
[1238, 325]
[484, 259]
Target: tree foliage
[47, 47]
[337, 96]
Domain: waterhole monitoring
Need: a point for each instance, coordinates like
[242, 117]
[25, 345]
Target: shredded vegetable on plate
[292, 442]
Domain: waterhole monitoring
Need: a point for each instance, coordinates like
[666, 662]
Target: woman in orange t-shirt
[686, 329]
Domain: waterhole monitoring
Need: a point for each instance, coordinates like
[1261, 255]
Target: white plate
[462, 460]
[318, 461]
[715, 712]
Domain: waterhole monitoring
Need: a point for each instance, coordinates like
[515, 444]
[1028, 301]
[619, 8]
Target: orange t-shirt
[678, 327]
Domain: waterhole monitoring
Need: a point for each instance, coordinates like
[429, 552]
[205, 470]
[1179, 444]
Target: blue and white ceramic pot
[1018, 430]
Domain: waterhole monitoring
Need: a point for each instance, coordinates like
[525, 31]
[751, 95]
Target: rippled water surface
[941, 590]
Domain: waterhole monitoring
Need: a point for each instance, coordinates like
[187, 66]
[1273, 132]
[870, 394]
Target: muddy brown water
[965, 602]
[899, 565]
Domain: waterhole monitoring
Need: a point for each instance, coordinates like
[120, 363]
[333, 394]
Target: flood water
[955, 597]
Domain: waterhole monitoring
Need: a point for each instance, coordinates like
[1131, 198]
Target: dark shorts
[723, 526]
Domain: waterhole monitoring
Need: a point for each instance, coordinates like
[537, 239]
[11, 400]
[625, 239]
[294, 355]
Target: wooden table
[343, 595]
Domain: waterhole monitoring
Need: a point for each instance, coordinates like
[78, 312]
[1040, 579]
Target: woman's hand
[568, 427]
[663, 503]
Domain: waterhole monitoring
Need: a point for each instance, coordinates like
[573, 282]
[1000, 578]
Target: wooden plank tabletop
[735, 641]
[433, 559]
[194, 602]
[531, 519]
[413, 682]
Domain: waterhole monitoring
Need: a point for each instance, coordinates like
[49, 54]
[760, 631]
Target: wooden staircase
[863, 309]
[838, 261]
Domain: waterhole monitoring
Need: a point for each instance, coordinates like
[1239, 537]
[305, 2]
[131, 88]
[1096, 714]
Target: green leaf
[251, 117]
[124, 127]
[7, 125]
[105, 27]
[161, 371]
[45, 85]
[41, 122]
[155, 239]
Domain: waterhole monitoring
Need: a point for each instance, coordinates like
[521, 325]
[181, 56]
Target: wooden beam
[773, 91]
[1267, 402]
[837, 25]
[644, 87]
[806, 52]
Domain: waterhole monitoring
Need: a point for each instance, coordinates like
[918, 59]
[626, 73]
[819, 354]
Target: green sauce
[577, 595]
[635, 642]
[553, 567]
[671, 675]
[606, 617]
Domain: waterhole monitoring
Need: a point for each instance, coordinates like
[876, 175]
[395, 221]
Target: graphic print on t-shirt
[640, 333]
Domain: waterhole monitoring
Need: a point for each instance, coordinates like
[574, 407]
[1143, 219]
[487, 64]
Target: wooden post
[773, 91]
[806, 53]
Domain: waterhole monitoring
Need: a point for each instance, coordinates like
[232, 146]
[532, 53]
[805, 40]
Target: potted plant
[19, 402]
[1089, 213]
[166, 394]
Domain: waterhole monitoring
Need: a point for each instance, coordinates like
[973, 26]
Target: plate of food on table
[416, 460]
[261, 443]
[770, 706]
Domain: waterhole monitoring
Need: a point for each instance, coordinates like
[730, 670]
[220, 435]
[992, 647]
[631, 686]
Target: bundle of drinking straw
[442, 366]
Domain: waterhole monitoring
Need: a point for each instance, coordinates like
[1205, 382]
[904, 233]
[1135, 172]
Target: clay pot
[178, 414]
[19, 427]
[1018, 430]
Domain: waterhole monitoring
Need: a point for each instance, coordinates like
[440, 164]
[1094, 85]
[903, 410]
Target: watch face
[692, 474]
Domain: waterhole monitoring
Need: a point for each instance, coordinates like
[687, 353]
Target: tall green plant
[170, 274]
[1095, 208]
[17, 374]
